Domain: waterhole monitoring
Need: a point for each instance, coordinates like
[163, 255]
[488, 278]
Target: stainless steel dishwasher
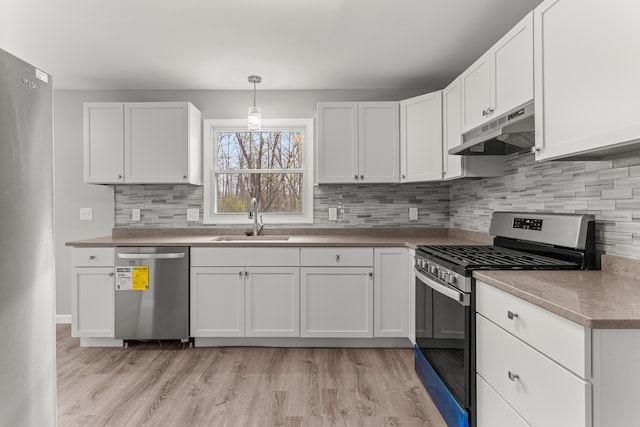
[152, 293]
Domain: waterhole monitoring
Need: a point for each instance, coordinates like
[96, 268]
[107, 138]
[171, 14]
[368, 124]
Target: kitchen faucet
[253, 214]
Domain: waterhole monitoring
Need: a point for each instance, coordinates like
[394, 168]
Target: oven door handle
[455, 295]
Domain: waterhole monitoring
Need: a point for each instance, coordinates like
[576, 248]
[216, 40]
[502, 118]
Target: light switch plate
[333, 214]
[86, 214]
[413, 214]
[193, 214]
[135, 214]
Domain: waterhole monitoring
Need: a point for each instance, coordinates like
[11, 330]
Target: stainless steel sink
[250, 239]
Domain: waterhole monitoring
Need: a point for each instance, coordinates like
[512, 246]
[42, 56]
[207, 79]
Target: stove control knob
[446, 277]
[452, 280]
[433, 269]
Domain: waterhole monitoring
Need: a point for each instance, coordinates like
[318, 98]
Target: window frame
[211, 126]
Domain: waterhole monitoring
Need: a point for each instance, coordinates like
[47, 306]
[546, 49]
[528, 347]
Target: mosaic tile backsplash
[608, 189]
[359, 205]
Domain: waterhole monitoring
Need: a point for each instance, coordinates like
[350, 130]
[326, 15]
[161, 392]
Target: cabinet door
[390, 292]
[103, 142]
[452, 134]
[587, 83]
[476, 93]
[338, 142]
[217, 301]
[421, 138]
[379, 142]
[156, 142]
[336, 302]
[92, 302]
[512, 68]
[272, 302]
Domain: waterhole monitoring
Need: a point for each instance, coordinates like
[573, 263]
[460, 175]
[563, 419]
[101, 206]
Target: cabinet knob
[355, 176]
[404, 176]
[511, 315]
[489, 110]
[239, 273]
[111, 274]
[184, 176]
[361, 176]
[371, 274]
[246, 273]
[337, 258]
[485, 113]
[119, 176]
[513, 377]
[92, 257]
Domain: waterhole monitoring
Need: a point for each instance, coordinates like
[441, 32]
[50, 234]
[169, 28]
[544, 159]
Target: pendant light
[255, 113]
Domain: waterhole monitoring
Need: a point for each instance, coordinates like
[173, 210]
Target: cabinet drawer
[564, 341]
[92, 257]
[336, 257]
[543, 393]
[240, 257]
[493, 411]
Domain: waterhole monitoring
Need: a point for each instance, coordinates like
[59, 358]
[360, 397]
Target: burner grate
[494, 257]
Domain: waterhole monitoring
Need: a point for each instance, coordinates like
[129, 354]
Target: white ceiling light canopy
[255, 113]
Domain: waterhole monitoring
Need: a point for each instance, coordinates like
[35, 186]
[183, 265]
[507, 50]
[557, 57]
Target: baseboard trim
[63, 319]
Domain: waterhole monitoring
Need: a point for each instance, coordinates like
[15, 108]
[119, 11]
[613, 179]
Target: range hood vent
[507, 134]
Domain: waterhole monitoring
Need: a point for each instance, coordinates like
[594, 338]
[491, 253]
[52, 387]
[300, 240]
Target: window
[272, 165]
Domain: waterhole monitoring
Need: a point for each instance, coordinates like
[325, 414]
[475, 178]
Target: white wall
[71, 193]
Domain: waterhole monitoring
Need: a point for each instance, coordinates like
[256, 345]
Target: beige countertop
[387, 237]
[603, 299]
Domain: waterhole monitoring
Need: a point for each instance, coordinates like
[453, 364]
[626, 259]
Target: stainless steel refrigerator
[27, 292]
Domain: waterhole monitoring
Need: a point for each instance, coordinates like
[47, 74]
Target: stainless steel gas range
[445, 303]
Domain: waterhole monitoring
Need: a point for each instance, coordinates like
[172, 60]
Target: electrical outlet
[413, 214]
[333, 214]
[86, 214]
[135, 214]
[193, 214]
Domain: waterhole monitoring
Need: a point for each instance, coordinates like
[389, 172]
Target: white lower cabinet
[272, 307]
[217, 302]
[390, 292]
[243, 300]
[336, 302]
[92, 293]
[540, 390]
[493, 411]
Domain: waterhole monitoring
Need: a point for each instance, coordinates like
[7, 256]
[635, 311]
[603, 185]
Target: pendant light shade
[254, 116]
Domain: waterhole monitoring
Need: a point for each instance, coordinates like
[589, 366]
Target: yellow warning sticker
[135, 278]
[140, 278]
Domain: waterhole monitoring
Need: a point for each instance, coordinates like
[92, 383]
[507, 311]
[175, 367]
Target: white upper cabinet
[587, 81]
[455, 166]
[358, 142]
[501, 79]
[421, 138]
[103, 142]
[162, 142]
[142, 142]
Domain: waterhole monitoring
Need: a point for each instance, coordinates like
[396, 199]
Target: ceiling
[292, 44]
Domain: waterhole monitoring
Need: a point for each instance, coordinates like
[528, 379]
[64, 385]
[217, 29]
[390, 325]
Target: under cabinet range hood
[510, 133]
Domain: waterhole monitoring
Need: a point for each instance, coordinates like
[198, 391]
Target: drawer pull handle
[511, 315]
[92, 257]
[513, 377]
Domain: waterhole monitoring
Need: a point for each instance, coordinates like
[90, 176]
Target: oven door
[444, 347]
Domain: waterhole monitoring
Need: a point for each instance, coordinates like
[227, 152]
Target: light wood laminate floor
[162, 384]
